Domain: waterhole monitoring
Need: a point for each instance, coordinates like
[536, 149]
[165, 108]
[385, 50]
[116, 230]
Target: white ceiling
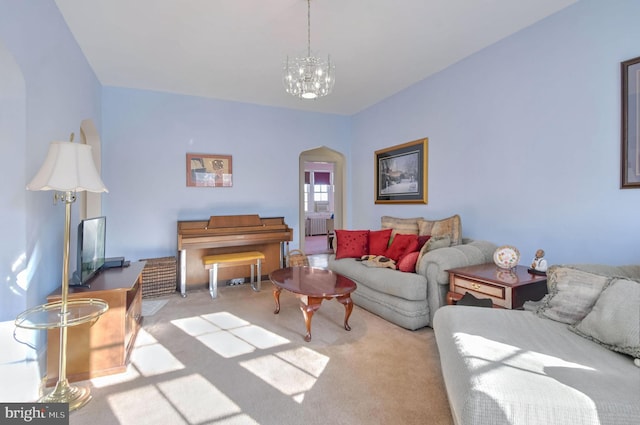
[234, 49]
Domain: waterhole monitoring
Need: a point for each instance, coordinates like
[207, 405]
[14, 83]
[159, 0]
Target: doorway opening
[321, 195]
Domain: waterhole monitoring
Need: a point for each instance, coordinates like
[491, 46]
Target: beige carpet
[152, 306]
[232, 361]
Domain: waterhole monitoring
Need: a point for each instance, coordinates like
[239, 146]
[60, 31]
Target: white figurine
[539, 263]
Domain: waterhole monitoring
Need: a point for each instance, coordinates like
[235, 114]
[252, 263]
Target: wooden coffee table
[312, 285]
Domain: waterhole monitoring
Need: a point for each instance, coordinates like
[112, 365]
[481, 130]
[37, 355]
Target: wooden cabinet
[506, 288]
[103, 347]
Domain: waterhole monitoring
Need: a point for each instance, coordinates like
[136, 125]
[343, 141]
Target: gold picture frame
[630, 150]
[401, 173]
[207, 170]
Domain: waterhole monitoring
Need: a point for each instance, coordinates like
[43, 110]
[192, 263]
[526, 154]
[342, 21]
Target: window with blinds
[317, 191]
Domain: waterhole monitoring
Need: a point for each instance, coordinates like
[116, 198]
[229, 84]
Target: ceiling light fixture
[308, 77]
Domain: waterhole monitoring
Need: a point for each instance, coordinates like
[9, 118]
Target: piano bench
[213, 262]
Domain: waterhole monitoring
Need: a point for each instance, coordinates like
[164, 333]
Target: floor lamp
[67, 169]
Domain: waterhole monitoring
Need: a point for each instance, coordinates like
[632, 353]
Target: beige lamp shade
[69, 167]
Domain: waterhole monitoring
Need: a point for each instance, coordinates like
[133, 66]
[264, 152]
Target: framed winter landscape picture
[401, 173]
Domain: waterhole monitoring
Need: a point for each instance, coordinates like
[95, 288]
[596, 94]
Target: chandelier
[308, 77]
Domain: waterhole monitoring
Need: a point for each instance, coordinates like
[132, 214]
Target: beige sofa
[410, 300]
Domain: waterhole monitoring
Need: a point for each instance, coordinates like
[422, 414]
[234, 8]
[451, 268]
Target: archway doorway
[335, 161]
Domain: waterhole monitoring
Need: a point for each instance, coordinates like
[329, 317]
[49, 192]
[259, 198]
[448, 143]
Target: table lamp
[67, 169]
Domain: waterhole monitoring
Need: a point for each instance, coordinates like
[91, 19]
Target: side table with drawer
[506, 288]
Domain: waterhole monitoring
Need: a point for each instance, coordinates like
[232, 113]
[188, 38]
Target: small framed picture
[206, 170]
[401, 173]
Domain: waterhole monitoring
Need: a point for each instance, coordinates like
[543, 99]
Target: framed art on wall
[630, 150]
[401, 173]
[205, 170]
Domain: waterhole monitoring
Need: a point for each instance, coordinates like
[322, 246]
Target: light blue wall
[12, 158]
[524, 139]
[51, 90]
[524, 145]
[146, 138]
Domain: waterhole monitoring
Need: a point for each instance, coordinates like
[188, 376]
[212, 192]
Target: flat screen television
[91, 249]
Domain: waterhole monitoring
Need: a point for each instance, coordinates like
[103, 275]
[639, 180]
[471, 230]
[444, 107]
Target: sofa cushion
[400, 245]
[400, 225]
[434, 243]
[422, 240]
[410, 286]
[379, 241]
[572, 293]
[407, 263]
[352, 243]
[614, 321]
[450, 226]
[409, 314]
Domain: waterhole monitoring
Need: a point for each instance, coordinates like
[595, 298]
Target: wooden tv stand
[104, 347]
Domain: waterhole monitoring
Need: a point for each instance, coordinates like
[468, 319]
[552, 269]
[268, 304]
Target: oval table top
[312, 281]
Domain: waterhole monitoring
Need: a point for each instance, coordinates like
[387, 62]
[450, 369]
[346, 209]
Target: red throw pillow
[400, 245]
[379, 241]
[351, 243]
[408, 262]
[422, 239]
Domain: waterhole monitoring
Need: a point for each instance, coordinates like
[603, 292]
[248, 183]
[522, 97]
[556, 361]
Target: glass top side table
[51, 316]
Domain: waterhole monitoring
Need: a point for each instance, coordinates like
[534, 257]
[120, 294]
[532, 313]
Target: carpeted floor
[316, 245]
[151, 306]
[232, 361]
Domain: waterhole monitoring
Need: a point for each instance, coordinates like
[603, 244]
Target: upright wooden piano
[227, 234]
